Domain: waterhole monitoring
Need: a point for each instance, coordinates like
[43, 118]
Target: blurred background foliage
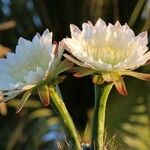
[35, 127]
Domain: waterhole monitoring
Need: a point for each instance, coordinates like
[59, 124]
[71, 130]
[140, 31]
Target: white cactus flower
[35, 63]
[107, 52]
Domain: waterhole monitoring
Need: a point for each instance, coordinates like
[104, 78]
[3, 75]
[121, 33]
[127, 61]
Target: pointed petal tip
[100, 23]
[122, 92]
[21, 41]
[74, 28]
[100, 20]
[143, 34]
[47, 32]
[120, 86]
[117, 24]
[90, 23]
[45, 102]
[72, 25]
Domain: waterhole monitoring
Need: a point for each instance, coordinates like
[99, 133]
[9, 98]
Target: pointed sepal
[72, 59]
[98, 79]
[142, 76]
[120, 86]
[64, 66]
[44, 95]
[25, 97]
[59, 79]
[83, 72]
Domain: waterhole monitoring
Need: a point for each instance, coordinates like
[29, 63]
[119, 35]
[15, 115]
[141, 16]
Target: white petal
[73, 60]
[75, 31]
[73, 45]
[87, 31]
[28, 87]
[100, 24]
[140, 61]
[143, 38]
[4, 67]
[47, 36]
[117, 25]
[34, 77]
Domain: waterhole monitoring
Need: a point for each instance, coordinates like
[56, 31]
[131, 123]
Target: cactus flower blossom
[108, 52]
[35, 64]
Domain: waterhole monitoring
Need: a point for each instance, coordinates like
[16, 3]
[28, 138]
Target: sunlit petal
[142, 76]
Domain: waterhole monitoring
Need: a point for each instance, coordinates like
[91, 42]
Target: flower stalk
[63, 114]
[99, 116]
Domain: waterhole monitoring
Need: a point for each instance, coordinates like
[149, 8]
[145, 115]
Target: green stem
[99, 116]
[62, 112]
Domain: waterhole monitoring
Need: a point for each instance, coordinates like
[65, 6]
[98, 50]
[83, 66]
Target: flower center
[106, 53]
[113, 55]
